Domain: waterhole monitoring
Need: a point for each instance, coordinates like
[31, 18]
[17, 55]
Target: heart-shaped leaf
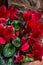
[9, 50]
[10, 62]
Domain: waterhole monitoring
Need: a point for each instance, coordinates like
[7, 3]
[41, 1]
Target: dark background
[4, 2]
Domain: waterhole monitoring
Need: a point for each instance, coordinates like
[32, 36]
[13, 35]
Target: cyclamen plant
[20, 38]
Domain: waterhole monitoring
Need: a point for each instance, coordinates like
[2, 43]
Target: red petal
[2, 41]
[24, 47]
[3, 21]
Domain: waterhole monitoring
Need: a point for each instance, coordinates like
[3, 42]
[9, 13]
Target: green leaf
[12, 23]
[1, 48]
[27, 59]
[23, 23]
[16, 42]
[9, 50]
[10, 62]
[16, 21]
[2, 60]
[18, 39]
[17, 27]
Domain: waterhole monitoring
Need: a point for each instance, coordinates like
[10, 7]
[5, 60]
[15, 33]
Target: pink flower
[2, 40]
[29, 55]
[17, 32]
[18, 58]
[24, 47]
[3, 21]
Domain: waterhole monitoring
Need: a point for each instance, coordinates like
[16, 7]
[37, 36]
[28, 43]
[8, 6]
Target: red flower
[2, 9]
[30, 55]
[37, 52]
[31, 41]
[24, 47]
[1, 29]
[23, 40]
[14, 17]
[18, 58]
[38, 31]
[3, 21]
[32, 23]
[4, 13]
[14, 37]
[27, 15]
[9, 33]
[10, 6]
[2, 40]
[17, 32]
[7, 14]
[13, 13]
[32, 19]
[38, 15]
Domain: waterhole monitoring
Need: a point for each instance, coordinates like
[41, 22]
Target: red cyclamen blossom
[17, 32]
[30, 55]
[4, 13]
[8, 13]
[2, 40]
[37, 51]
[18, 58]
[13, 13]
[24, 47]
[3, 21]
[9, 33]
[1, 29]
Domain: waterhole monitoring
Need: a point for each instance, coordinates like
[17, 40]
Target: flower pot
[34, 63]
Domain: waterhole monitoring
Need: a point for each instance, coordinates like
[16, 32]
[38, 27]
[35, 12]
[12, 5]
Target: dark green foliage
[27, 59]
[16, 42]
[9, 50]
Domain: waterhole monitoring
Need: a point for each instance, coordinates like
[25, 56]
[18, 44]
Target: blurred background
[24, 4]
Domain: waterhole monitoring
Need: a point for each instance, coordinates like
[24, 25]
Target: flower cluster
[21, 38]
